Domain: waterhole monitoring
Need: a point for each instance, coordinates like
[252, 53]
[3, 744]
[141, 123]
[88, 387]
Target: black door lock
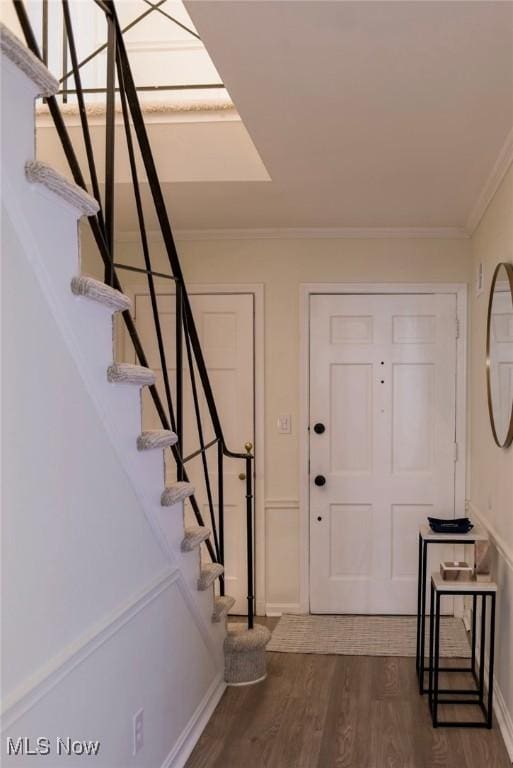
[319, 428]
[320, 480]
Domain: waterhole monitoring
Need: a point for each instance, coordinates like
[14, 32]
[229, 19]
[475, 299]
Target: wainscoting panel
[502, 573]
[282, 556]
[152, 654]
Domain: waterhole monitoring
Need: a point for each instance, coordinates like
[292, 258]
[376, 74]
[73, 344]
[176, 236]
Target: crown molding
[492, 184]
[308, 233]
[164, 46]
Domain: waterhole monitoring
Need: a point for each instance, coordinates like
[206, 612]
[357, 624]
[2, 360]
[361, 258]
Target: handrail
[188, 351]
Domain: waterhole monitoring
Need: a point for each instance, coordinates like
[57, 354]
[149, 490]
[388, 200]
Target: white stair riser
[19, 93]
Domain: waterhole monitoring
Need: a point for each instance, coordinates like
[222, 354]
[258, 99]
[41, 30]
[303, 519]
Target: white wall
[281, 265]
[491, 468]
[100, 612]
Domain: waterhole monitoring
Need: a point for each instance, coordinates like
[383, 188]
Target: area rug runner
[364, 636]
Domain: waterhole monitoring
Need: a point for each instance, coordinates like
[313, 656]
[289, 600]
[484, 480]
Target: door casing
[257, 291]
[306, 290]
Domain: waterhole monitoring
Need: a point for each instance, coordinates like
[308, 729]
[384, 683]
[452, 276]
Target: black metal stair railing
[150, 7]
[188, 354]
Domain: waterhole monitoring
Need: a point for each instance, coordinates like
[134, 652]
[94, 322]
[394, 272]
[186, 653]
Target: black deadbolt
[320, 480]
[319, 519]
[319, 428]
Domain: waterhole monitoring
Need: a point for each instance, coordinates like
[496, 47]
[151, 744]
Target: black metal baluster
[249, 533]
[45, 31]
[165, 226]
[201, 438]
[82, 109]
[101, 48]
[146, 252]
[179, 369]
[64, 64]
[220, 509]
[110, 129]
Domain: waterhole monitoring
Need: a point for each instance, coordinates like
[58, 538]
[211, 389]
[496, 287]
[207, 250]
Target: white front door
[225, 324]
[382, 384]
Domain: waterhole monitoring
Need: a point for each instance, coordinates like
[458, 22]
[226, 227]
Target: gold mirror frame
[509, 436]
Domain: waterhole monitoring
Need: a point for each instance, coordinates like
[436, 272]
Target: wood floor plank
[345, 740]
[299, 738]
[317, 711]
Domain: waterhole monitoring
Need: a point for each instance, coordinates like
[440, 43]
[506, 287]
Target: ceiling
[365, 114]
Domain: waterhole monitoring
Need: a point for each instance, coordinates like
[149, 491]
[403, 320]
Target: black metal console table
[427, 537]
[466, 696]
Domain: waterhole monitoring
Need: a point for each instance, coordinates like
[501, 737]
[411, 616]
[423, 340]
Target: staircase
[119, 396]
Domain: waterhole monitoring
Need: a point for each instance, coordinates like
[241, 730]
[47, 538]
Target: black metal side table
[427, 537]
[476, 696]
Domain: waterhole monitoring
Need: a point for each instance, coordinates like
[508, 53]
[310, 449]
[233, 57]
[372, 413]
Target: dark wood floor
[339, 712]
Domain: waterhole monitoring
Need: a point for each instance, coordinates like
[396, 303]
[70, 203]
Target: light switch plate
[284, 424]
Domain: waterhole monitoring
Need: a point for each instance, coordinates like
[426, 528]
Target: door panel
[225, 328]
[382, 380]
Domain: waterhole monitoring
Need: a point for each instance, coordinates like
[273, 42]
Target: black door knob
[320, 480]
[319, 428]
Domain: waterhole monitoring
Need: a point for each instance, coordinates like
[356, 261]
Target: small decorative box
[454, 570]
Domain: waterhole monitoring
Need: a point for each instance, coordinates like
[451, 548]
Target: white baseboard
[194, 728]
[276, 609]
[504, 719]
[500, 710]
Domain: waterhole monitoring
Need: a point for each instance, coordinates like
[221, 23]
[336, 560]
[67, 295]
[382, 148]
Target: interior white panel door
[383, 384]
[225, 327]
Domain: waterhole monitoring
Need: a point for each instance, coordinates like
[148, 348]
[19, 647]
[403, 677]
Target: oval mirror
[499, 355]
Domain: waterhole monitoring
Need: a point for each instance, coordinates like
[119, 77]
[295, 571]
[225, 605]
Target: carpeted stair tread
[222, 605]
[41, 173]
[209, 573]
[156, 438]
[194, 536]
[126, 373]
[240, 639]
[100, 292]
[29, 64]
[244, 654]
[176, 492]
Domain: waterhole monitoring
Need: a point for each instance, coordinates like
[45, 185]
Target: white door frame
[305, 291]
[257, 291]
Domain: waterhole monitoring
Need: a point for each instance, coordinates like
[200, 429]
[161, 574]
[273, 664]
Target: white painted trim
[41, 682]
[492, 184]
[496, 539]
[164, 46]
[281, 503]
[278, 609]
[194, 728]
[258, 292]
[305, 291]
[209, 109]
[308, 233]
[500, 709]
[503, 716]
